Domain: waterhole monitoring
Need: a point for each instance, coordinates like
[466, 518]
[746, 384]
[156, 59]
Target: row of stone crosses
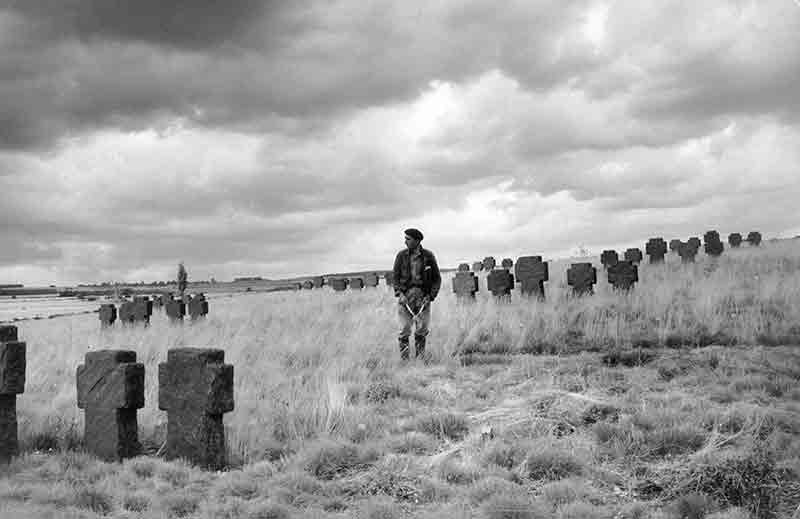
[140, 309]
[195, 388]
[531, 272]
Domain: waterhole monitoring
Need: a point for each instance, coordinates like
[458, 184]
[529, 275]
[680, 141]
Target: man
[416, 284]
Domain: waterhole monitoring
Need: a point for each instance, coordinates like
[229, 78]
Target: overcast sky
[288, 138]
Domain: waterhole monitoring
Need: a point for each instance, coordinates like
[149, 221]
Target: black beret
[414, 233]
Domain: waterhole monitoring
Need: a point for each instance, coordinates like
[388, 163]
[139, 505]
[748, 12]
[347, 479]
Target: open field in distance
[680, 399]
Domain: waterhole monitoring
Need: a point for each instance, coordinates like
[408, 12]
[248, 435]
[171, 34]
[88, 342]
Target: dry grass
[679, 399]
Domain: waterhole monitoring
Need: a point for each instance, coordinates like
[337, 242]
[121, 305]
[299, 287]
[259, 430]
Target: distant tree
[182, 279]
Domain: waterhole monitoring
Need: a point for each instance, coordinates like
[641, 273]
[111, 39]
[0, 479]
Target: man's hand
[402, 299]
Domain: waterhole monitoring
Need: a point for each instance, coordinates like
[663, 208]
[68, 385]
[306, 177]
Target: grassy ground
[678, 400]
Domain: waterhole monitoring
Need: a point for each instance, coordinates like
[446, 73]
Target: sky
[276, 139]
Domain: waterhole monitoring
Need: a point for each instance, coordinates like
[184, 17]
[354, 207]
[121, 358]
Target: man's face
[411, 243]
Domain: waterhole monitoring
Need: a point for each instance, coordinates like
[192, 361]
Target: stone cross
[507, 263]
[195, 388]
[623, 275]
[489, 263]
[110, 390]
[633, 255]
[656, 248]
[754, 237]
[12, 383]
[176, 309]
[500, 282]
[477, 266]
[463, 267]
[356, 283]
[308, 284]
[338, 284]
[687, 251]
[465, 284]
[582, 277]
[198, 306]
[531, 273]
[609, 258]
[674, 245]
[371, 280]
[734, 240]
[107, 315]
[712, 243]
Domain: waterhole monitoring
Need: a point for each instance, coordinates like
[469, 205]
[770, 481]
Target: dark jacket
[431, 279]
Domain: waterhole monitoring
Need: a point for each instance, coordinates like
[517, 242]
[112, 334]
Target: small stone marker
[687, 251]
[195, 388]
[308, 284]
[507, 263]
[582, 278]
[371, 280]
[12, 383]
[198, 306]
[338, 284]
[318, 281]
[107, 315]
[175, 309]
[656, 248]
[609, 258]
[674, 245]
[477, 266]
[531, 273]
[356, 283]
[489, 263]
[634, 255]
[500, 282]
[754, 238]
[465, 284]
[623, 275]
[734, 240]
[110, 390]
[712, 244]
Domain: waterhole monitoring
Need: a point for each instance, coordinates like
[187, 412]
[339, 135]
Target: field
[680, 399]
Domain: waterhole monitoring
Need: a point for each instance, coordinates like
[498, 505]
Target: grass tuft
[443, 425]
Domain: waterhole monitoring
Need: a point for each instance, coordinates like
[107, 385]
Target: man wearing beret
[416, 284]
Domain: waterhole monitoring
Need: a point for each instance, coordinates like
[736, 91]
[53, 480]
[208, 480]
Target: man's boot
[419, 344]
[404, 349]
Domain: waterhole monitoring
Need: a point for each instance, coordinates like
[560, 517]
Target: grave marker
[12, 383]
[338, 284]
[308, 284]
[656, 248]
[582, 277]
[674, 245]
[694, 242]
[110, 390]
[734, 240]
[687, 251]
[754, 238]
[371, 280]
[463, 267]
[107, 315]
[489, 263]
[634, 255]
[609, 258]
[465, 284]
[318, 281]
[127, 314]
[500, 282]
[713, 245]
[531, 273]
[195, 388]
[623, 275]
[356, 283]
[197, 307]
[175, 309]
